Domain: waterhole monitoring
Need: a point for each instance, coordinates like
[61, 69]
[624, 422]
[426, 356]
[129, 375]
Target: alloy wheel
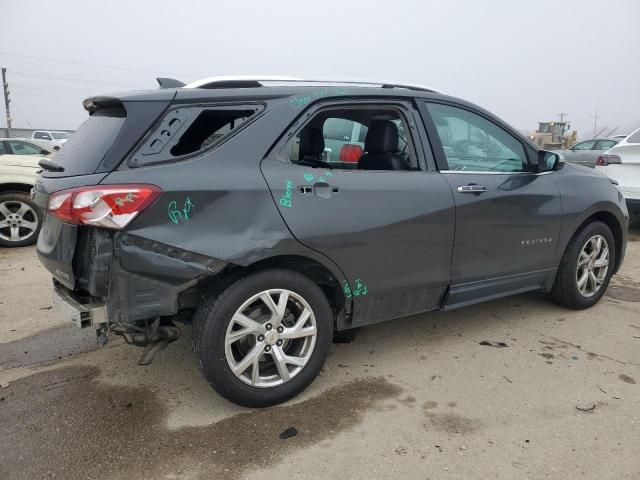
[593, 265]
[18, 221]
[270, 338]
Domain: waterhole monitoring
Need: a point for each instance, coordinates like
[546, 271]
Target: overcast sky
[526, 61]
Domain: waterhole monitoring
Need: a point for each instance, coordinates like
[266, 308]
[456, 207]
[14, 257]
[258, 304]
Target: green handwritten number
[360, 288]
[347, 289]
[308, 177]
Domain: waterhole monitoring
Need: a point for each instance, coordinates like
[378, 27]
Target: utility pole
[562, 115]
[5, 87]
[595, 122]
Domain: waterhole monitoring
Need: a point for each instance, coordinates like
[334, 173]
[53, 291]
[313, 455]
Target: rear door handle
[472, 189]
[323, 190]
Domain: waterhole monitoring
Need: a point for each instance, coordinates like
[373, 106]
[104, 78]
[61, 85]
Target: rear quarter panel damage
[215, 207]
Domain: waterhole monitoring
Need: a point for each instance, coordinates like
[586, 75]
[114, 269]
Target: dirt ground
[417, 398]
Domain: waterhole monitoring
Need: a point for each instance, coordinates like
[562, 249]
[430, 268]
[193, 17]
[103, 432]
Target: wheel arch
[614, 225]
[15, 187]
[311, 268]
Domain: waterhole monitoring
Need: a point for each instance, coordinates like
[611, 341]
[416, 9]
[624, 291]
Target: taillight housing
[607, 159]
[108, 206]
[350, 153]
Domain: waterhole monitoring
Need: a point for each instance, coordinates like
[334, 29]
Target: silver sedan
[587, 152]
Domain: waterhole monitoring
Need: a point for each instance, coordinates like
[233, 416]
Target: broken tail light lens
[109, 206]
[604, 160]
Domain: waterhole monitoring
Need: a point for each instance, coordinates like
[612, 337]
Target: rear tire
[586, 267]
[258, 352]
[20, 220]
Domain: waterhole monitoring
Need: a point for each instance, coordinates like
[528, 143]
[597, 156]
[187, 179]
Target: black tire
[11, 202]
[212, 319]
[565, 289]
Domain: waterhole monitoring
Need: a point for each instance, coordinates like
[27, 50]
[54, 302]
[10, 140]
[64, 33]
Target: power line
[40, 88]
[65, 78]
[24, 117]
[79, 98]
[114, 67]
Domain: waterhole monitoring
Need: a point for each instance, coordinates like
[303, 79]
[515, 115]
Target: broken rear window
[190, 130]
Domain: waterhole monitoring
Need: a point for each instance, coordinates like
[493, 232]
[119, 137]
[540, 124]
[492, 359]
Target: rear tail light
[350, 153]
[109, 206]
[604, 160]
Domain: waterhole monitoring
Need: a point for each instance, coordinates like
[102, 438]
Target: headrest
[311, 142]
[382, 137]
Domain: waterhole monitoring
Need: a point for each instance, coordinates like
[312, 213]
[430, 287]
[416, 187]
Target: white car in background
[50, 139]
[622, 164]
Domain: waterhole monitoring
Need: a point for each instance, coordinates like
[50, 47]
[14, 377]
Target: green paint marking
[361, 288]
[347, 289]
[176, 214]
[308, 177]
[300, 102]
[287, 195]
[129, 198]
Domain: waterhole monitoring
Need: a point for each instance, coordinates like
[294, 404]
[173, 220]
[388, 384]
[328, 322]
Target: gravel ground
[417, 398]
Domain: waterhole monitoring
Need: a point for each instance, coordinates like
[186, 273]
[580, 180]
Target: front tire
[586, 267]
[263, 339]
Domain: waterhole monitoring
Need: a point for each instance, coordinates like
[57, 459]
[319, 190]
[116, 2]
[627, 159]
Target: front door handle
[472, 188]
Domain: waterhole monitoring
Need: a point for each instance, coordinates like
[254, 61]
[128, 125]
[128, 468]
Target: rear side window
[190, 130]
[337, 138]
[605, 144]
[84, 150]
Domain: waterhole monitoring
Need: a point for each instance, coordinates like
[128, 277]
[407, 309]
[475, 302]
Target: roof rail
[248, 81]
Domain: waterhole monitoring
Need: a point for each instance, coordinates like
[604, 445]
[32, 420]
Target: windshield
[60, 135]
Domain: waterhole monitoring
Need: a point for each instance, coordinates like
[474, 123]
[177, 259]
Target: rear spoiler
[169, 83]
[93, 104]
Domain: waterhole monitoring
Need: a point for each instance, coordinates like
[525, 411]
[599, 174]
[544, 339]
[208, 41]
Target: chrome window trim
[477, 172]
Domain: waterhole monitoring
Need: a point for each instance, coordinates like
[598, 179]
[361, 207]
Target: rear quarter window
[188, 131]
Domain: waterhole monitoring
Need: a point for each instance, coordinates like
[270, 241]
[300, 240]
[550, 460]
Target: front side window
[473, 143]
[42, 136]
[588, 145]
[21, 148]
[363, 138]
[60, 135]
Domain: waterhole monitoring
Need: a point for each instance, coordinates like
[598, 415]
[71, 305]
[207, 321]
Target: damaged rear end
[102, 276]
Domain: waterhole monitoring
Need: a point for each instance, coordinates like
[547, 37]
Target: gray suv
[218, 203]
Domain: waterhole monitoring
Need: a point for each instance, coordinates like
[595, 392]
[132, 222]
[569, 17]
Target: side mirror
[56, 148]
[547, 161]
